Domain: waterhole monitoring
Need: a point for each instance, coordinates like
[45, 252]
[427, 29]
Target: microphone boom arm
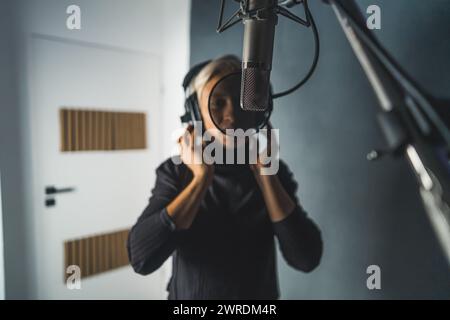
[407, 119]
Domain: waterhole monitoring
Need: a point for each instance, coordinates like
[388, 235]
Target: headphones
[191, 105]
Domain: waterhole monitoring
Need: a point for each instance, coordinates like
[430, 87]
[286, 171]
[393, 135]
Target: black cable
[315, 60]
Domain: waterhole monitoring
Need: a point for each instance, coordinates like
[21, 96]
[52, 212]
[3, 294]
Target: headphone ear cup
[192, 110]
[187, 116]
[195, 108]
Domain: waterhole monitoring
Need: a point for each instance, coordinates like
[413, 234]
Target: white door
[111, 188]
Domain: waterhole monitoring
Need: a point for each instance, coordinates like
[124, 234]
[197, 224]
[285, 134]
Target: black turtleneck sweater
[229, 250]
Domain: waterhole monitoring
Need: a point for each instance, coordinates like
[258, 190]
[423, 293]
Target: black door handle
[54, 190]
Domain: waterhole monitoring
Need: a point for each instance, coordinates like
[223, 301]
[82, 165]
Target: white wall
[176, 47]
[160, 28]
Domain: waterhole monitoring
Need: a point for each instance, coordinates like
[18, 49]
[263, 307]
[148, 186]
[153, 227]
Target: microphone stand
[407, 117]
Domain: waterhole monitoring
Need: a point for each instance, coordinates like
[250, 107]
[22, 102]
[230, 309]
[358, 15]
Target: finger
[187, 130]
[182, 144]
[273, 143]
[263, 140]
[185, 140]
[192, 139]
[186, 135]
[185, 148]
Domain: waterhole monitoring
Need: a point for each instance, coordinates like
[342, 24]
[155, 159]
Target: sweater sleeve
[153, 237]
[299, 237]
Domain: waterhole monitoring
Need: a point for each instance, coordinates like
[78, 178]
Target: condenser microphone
[259, 33]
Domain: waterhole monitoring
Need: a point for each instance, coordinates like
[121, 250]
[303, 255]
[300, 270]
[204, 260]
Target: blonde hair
[220, 66]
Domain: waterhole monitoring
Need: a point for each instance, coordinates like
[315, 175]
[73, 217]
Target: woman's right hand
[184, 207]
[192, 155]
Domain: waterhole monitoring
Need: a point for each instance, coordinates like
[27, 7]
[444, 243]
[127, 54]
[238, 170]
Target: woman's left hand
[268, 154]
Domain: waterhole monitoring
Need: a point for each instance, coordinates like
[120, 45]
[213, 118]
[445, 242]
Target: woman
[219, 221]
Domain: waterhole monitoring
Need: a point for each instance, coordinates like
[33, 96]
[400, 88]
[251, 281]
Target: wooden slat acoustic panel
[97, 254]
[88, 130]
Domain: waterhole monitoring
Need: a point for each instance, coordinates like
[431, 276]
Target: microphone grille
[255, 88]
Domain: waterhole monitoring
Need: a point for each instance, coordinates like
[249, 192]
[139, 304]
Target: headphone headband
[193, 72]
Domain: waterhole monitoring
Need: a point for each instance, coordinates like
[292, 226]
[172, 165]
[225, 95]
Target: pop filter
[224, 107]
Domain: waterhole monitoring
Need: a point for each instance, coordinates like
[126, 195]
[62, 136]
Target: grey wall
[2, 263]
[369, 213]
[11, 164]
